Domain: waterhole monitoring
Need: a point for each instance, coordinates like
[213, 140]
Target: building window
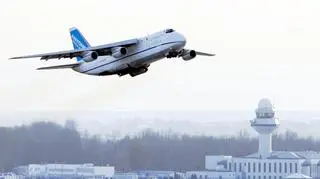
[220, 177]
[280, 167]
[269, 177]
[230, 166]
[248, 176]
[259, 168]
[290, 167]
[254, 167]
[280, 177]
[275, 168]
[254, 177]
[249, 167]
[235, 167]
[264, 177]
[240, 167]
[296, 168]
[264, 168]
[285, 168]
[259, 177]
[270, 168]
[275, 177]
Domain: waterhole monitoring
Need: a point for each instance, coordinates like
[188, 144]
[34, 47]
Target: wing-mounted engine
[188, 54]
[118, 51]
[90, 56]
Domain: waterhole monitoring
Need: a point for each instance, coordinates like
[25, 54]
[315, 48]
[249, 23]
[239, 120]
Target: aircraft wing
[204, 54]
[197, 52]
[101, 50]
[59, 66]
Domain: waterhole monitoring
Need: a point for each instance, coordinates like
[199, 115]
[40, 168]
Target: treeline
[46, 142]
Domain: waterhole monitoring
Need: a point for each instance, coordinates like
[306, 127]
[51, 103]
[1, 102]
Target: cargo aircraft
[131, 57]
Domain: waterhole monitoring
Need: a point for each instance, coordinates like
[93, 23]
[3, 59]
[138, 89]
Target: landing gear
[121, 74]
[138, 71]
[133, 71]
[172, 54]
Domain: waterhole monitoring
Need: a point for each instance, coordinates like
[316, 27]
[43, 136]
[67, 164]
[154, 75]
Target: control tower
[265, 123]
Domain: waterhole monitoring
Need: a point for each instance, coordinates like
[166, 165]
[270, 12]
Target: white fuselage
[149, 49]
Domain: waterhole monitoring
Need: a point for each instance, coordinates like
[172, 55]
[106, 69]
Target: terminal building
[65, 171]
[266, 163]
[150, 174]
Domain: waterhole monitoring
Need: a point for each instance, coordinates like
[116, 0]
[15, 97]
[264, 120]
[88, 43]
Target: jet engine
[189, 54]
[90, 56]
[118, 51]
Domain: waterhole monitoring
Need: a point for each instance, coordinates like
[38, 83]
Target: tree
[46, 142]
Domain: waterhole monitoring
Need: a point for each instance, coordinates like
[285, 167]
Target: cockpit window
[169, 30]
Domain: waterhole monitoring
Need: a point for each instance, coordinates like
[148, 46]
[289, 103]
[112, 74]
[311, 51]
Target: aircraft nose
[182, 39]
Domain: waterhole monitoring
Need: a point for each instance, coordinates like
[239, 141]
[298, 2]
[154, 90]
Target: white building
[10, 176]
[214, 174]
[268, 164]
[130, 175]
[87, 171]
[149, 174]
[297, 176]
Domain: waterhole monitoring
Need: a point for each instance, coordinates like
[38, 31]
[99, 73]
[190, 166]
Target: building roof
[315, 156]
[297, 176]
[309, 154]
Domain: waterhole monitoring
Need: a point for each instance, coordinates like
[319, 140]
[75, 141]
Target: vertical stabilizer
[78, 40]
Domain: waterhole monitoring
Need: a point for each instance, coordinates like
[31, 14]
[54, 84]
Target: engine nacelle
[90, 56]
[189, 54]
[118, 51]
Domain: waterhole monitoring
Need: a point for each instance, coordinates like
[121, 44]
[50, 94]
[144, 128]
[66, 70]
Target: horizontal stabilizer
[60, 66]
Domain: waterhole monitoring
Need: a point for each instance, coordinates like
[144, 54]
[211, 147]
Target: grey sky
[264, 49]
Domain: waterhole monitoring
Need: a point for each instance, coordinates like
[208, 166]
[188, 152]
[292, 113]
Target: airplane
[131, 57]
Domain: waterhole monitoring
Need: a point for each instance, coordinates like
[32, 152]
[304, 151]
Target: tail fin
[78, 40]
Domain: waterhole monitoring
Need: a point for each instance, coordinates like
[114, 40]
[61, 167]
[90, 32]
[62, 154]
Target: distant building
[297, 176]
[213, 174]
[268, 164]
[65, 171]
[129, 175]
[150, 174]
[10, 176]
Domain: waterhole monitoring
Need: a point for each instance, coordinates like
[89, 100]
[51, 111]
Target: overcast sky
[264, 49]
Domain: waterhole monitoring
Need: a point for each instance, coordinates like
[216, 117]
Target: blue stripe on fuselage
[131, 55]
